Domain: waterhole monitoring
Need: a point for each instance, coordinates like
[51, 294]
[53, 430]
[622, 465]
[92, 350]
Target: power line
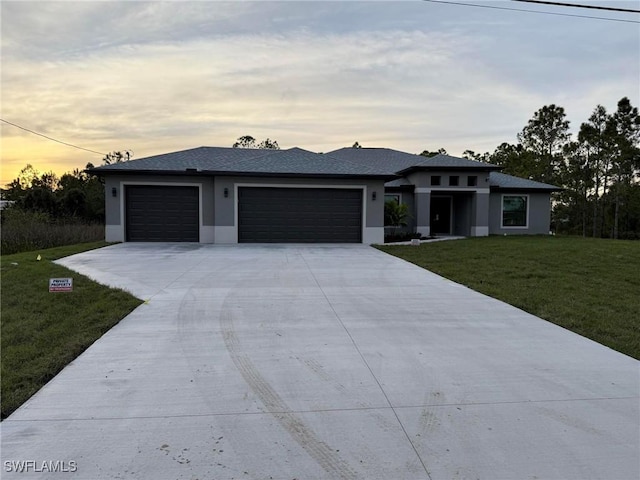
[578, 5]
[52, 139]
[494, 7]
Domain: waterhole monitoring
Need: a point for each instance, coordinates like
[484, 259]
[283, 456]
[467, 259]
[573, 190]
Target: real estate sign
[61, 284]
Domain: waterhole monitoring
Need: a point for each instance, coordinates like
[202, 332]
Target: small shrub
[402, 237]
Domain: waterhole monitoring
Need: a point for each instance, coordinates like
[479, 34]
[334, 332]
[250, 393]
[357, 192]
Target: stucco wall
[539, 214]
[423, 179]
[218, 214]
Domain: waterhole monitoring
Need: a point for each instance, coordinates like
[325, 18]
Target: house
[230, 195]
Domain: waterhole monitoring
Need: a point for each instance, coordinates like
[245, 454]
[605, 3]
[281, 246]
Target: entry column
[423, 210]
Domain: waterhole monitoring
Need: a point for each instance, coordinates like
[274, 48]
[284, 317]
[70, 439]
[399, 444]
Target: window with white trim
[515, 210]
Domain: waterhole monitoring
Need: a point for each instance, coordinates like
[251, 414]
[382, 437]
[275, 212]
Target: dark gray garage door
[162, 214]
[306, 215]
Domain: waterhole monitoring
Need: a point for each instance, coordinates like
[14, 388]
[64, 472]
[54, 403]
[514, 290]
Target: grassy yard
[589, 286]
[41, 332]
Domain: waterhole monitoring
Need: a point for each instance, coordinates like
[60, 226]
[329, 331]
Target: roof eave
[527, 189]
[227, 173]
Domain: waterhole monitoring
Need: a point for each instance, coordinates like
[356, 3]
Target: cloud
[160, 76]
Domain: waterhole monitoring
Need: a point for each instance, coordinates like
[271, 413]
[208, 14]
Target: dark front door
[162, 213]
[440, 215]
[305, 215]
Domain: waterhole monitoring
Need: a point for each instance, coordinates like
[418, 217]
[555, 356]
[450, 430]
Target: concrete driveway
[323, 362]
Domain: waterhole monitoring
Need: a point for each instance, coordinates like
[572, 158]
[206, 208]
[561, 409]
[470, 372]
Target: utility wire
[52, 139]
[579, 5]
[494, 7]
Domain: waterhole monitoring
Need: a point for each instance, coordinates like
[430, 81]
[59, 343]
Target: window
[472, 181]
[435, 180]
[395, 197]
[454, 180]
[514, 210]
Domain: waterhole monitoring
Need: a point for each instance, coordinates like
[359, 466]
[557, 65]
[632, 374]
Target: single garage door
[162, 213]
[305, 215]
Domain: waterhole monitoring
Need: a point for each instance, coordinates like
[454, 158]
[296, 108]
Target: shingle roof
[393, 161]
[382, 159]
[399, 182]
[401, 163]
[447, 161]
[294, 161]
[201, 158]
[502, 180]
[364, 162]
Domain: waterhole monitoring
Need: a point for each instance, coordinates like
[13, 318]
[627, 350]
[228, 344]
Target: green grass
[42, 332]
[589, 286]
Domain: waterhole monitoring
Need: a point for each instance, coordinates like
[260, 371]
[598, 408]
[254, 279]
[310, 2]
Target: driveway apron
[322, 362]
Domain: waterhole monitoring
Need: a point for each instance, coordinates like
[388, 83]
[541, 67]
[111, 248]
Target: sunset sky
[157, 77]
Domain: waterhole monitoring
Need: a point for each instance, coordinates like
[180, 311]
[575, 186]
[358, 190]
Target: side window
[454, 180]
[435, 180]
[514, 210]
[472, 181]
[395, 197]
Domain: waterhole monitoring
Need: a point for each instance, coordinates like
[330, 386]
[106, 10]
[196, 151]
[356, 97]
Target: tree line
[599, 170]
[75, 196]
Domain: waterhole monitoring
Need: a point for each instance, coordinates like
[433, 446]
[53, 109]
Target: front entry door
[440, 215]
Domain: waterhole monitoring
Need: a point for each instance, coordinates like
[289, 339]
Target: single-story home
[233, 195]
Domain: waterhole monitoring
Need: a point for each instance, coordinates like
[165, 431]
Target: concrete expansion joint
[364, 361]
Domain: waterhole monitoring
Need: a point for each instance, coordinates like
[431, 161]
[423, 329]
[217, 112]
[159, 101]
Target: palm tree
[395, 215]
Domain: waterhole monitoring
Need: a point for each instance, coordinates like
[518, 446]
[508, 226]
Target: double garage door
[299, 215]
[265, 215]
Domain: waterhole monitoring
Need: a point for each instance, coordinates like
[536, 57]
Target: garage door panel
[162, 213]
[305, 215]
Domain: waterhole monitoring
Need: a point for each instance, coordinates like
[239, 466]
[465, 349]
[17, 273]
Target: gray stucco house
[229, 195]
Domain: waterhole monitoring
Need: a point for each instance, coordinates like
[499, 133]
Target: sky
[157, 77]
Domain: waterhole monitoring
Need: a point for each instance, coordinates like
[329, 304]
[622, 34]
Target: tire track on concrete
[323, 454]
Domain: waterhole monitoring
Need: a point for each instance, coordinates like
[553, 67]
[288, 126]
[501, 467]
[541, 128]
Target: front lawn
[589, 286]
[42, 332]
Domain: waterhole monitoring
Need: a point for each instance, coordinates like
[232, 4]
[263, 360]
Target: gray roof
[219, 160]
[504, 181]
[364, 162]
[381, 159]
[399, 182]
[447, 162]
[394, 161]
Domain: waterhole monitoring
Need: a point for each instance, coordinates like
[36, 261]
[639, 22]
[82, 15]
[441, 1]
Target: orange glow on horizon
[18, 151]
